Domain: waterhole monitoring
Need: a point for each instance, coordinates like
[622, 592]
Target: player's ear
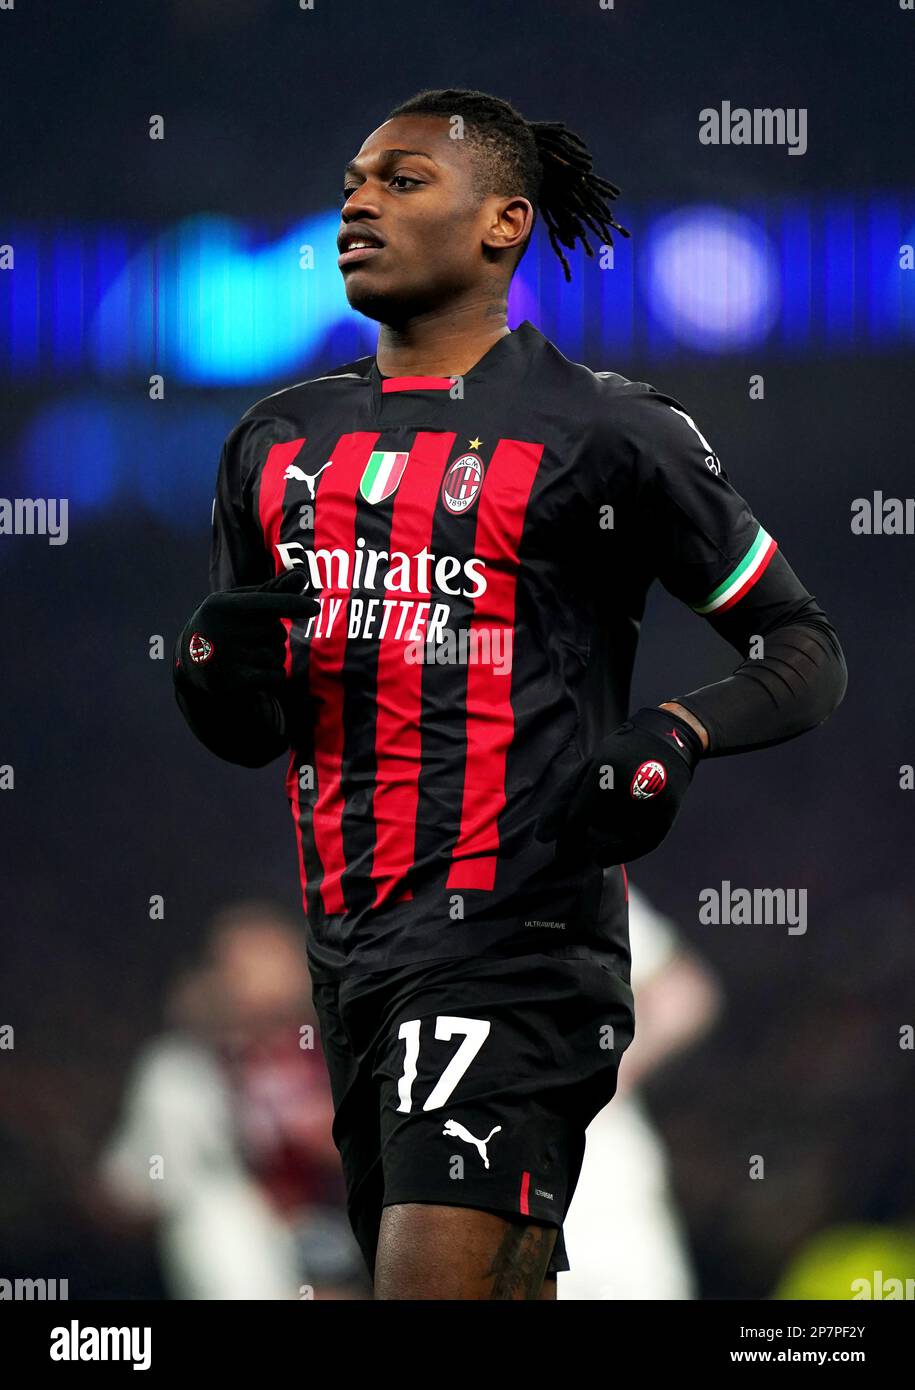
[508, 223]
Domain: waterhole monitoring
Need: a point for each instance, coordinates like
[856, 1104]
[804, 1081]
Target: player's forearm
[247, 729]
[793, 674]
[794, 685]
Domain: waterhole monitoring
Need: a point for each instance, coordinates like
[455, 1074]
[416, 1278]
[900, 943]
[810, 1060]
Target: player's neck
[448, 342]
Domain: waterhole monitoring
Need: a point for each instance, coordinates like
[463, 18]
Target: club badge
[650, 778]
[199, 648]
[462, 483]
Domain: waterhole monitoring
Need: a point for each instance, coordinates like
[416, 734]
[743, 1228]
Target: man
[443, 554]
[233, 1095]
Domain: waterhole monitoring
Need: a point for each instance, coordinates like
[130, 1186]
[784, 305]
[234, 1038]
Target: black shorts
[471, 1081]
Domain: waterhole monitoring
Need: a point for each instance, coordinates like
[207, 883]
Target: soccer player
[428, 570]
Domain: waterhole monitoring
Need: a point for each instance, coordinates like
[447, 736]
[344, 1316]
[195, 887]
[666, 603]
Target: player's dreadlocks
[544, 161]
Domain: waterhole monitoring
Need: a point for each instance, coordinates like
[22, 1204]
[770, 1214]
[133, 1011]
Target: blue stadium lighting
[210, 304]
[894, 312]
[123, 451]
[796, 266]
[213, 302]
[21, 304]
[838, 279]
[710, 277]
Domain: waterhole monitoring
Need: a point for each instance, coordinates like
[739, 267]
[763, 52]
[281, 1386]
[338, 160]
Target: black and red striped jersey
[481, 548]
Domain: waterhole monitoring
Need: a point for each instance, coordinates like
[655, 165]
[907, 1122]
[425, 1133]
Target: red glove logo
[650, 778]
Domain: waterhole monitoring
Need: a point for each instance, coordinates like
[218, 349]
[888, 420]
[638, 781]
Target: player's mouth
[358, 253]
[356, 246]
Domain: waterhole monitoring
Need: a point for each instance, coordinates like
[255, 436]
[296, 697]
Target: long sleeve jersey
[481, 549]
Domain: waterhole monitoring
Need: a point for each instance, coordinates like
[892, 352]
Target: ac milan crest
[650, 778]
[462, 483]
[200, 648]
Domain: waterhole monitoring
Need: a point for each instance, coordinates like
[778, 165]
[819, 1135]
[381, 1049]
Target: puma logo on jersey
[457, 1131]
[300, 476]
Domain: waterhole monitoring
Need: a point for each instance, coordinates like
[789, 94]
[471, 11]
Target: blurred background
[153, 989]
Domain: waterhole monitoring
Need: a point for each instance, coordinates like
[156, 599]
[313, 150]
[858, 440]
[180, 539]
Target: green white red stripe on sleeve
[742, 577]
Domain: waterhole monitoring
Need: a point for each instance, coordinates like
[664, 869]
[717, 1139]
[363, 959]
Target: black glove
[235, 640]
[621, 802]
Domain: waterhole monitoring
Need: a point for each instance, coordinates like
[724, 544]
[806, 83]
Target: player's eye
[349, 189]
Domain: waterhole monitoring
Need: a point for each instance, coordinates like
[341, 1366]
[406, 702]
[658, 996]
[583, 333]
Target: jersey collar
[503, 351]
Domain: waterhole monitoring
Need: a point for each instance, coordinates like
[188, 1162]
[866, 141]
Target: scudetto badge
[199, 648]
[650, 778]
[462, 483]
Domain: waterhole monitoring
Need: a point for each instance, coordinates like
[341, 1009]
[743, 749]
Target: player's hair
[544, 161]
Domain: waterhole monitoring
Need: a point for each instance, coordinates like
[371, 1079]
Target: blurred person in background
[225, 1138]
[623, 1231]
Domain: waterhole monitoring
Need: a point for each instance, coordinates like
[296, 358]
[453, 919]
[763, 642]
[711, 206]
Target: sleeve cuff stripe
[742, 577]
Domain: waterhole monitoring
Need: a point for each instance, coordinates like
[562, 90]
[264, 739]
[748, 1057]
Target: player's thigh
[490, 1071]
[439, 1252]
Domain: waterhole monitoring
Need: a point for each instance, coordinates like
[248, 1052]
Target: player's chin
[381, 298]
[367, 293]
